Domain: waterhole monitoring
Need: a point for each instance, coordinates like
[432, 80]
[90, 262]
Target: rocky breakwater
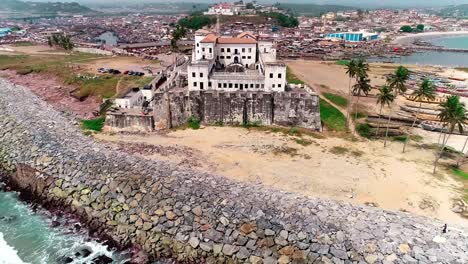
[194, 217]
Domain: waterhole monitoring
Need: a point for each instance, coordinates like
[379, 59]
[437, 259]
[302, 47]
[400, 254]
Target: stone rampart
[237, 108]
[195, 217]
[128, 122]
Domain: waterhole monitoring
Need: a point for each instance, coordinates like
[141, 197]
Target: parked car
[101, 70]
[125, 72]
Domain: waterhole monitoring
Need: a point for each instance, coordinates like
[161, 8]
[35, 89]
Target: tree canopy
[283, 20]
[406, 29]
[196, 21]
[61, 41]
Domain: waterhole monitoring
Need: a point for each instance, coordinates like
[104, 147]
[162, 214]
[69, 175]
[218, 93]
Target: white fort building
[242, 62]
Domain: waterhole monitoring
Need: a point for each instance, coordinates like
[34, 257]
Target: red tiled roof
[211, 38]
[236, 41]
[246, 35]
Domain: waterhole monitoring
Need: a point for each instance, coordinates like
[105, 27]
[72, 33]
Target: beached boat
[457, 79]
[437, 126]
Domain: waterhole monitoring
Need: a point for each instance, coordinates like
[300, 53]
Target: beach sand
[364, 172]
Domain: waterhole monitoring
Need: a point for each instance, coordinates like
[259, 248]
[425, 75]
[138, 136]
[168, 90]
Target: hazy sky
[370, 3]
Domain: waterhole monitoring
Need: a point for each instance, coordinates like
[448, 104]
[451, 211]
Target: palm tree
[362, 86]
[384, 97]
[362, 81]
[351, 71]
[426, 90]
[398, 80]
[453, 115]
[362, 67]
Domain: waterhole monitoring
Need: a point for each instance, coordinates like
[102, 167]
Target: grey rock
[339, 253]
[230, 250]
[193, 241]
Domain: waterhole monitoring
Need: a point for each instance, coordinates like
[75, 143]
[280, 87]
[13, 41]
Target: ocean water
[26, 236]
[448, 59]
[454, 42]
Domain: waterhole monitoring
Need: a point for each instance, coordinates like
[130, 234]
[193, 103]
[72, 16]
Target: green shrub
[303, 142]
[93, 124]
[400, 138]
[359, 115]
[193, 123]
[460, 173]
[25, 71]
[294, 131]
[364, 130]
[339, 150]
[219, 123]
[343, 62]
[333, 119]
[336, 99]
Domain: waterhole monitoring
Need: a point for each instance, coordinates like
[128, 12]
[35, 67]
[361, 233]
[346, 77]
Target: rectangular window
[198, 44]
[249, 57]
[251, 85]
[257, 86]
[229, 50]
[243, 57]
[279, 75]
[195, 84]
[193, 74]
[209, 84]
[263, 85]
[228, 57]
[236, 85]
[271, 75]
[273, 86]
[201, 74]
[250, 49]
[211, 50]
[222, 49]
[279, 85]
[230, 85]
[243, 49]
[203, 49]
[219, 85]
[225, 85]
[222, 57]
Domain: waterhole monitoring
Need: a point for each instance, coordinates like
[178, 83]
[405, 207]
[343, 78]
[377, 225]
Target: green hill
[43, 8]
[456, 11]
[312, 9]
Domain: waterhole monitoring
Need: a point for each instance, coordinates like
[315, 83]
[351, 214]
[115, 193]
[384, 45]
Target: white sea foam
[8, 255]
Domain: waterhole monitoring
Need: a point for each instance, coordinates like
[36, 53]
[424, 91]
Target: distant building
[108, 38]
[235, 63]
[353, 36]
[134, 98]
[4, 32]
[224, 9]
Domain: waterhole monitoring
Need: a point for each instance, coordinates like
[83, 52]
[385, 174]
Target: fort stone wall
[237, 108]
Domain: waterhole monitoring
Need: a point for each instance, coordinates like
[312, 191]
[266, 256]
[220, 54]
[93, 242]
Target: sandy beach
[359, 172]
[408, 39]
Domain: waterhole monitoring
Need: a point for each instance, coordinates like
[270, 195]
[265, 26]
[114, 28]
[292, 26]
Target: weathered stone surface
[230, 250]
[194, 242]
[298, 108]
[166, 208]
